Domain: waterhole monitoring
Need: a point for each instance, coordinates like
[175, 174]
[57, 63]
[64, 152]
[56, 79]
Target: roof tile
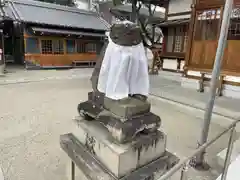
[52, 14]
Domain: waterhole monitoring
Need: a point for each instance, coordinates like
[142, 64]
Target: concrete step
[1, 174]
[233, 170]
[236, 152]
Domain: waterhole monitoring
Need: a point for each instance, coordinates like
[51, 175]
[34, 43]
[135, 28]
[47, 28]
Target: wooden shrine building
[204, 30]
[43, 35]
[175, 30]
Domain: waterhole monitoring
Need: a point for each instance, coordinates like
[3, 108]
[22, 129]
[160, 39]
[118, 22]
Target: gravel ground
[32, 118]
[33, 115]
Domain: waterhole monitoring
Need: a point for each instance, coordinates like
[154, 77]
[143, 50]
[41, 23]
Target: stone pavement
[168, 86]
[20, 75]
[33, 115]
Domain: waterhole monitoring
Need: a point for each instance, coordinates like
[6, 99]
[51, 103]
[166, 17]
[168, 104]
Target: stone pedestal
[117, 140]
[87, 166]
[123, 118]
[120, 159]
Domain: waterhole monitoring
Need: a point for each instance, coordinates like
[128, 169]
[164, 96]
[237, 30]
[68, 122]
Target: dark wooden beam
[179, 14]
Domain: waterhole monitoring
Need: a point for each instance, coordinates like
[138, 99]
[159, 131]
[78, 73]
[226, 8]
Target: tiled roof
[51, 14]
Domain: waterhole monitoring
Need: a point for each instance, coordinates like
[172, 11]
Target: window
[185, 41]
[80, 47]
[32, 45]
[71, 46]
[234, 28]
[46, 46]
[91, 47]
[177, 39]
[58, 47]
[208, 24]
[52, 46]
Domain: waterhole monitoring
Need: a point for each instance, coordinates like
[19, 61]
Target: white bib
[124, 71]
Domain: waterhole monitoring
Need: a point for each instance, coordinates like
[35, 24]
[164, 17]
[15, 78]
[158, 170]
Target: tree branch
[145, 32]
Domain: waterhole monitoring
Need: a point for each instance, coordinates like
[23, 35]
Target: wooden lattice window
[234, 28]
[58, 47]
[207, 24]
[80, 46]
[185, 42]
[46, 46]
[32, 45]
[52, 46]
[177, 39]
[71, 48]
[91, 47]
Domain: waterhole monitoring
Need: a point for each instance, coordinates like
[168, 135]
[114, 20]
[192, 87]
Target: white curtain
[124, 71]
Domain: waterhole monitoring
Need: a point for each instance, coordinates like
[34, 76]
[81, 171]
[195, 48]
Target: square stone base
[120, 159]
[85, 165]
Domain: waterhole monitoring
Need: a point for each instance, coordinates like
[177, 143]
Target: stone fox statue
[120, 83]
[122, 69]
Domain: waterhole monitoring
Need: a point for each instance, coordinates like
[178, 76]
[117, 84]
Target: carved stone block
[120, 159]
[127, 108]
[124, 132]
[97, 98]
[124, 119]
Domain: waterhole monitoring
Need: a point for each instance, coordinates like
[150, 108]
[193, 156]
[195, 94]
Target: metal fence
[184, 163]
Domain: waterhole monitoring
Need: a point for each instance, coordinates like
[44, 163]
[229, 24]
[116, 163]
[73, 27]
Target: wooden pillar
[190, 37]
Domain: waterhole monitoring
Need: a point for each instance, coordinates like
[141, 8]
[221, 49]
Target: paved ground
[168, 86]
[20, 75]
[33, 115]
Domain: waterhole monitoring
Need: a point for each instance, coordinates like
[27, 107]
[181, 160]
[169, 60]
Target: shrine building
[43, 35]
[191, 32]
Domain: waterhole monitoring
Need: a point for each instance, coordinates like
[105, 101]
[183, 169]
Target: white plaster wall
[170, 64]
[227, 78]
[232, 78]
[194, 73]
[176, 6]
